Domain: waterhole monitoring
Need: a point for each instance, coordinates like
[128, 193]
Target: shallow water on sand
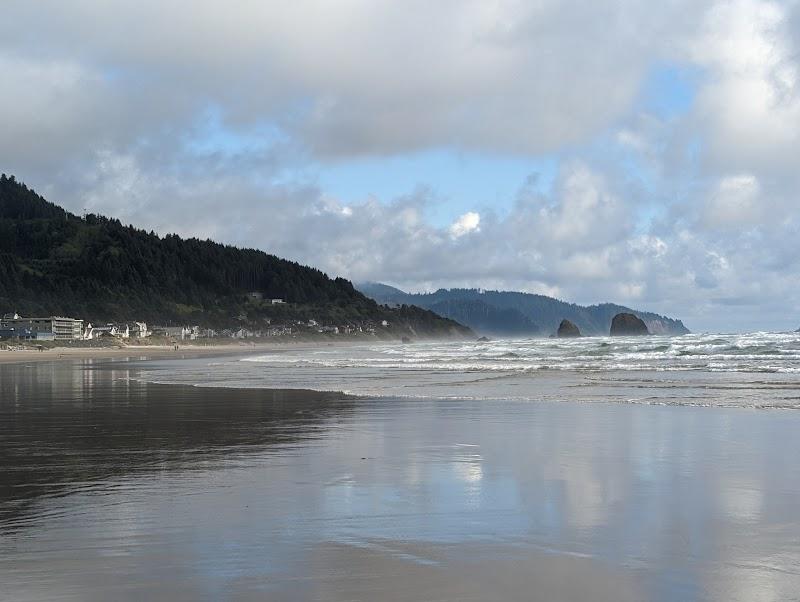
[114, 488]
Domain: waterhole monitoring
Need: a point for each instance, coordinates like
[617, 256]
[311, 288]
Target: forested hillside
[486, 318]
[516, 313]
[96, 268]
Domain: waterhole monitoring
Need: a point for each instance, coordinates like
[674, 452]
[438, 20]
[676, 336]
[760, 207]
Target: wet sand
[112, 488]
[127, 352]
[141, 352]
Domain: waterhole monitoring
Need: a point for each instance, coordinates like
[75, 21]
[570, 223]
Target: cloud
[360, 78]
[734, 202]
[750, 105]
[47, 106]
[469, 222]
[575, 242]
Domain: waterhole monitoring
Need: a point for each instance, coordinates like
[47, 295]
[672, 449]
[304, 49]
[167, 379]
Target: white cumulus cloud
[469, 222]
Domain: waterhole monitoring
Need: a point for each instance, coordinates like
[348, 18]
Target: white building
[109, 330]
[139, 330]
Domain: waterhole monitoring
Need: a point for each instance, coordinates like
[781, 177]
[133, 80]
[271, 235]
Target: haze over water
[114, 487]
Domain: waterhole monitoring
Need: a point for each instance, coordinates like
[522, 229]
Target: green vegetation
[95, 268]
[521, 314]
[486, 318]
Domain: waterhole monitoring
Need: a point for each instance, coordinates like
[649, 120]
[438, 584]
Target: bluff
[96, 268]
[530, 314]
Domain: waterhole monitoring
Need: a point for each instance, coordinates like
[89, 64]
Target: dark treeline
[486, 318]
[54, 262]
[516, 313]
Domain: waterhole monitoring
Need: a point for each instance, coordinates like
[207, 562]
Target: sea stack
[628, 325]
[567, 330]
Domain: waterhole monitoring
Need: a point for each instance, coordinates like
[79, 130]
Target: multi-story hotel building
[61, 328]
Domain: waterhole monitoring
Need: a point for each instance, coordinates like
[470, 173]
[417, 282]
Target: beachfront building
[245, 333]
[136, 330]
[117, 331]
[139, 330]
[174, 332]
[24, 334]
[61, 329]
[184, 333]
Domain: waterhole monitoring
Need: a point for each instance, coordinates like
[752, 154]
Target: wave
[755, 370]
[757, 352]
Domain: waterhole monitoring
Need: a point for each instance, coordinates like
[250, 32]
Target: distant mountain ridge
[515, 313]
[97, 269]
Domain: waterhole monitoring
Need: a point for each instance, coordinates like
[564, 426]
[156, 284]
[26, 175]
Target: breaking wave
[756, 370]
[759, 352]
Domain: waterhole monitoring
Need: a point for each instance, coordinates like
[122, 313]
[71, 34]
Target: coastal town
[17, 329]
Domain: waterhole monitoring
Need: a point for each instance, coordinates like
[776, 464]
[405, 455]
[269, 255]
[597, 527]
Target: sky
[641, 153]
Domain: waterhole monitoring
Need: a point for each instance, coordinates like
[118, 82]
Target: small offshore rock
[567, 330]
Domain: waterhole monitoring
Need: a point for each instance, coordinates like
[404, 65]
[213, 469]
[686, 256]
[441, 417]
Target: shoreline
[66, 354]
[185, 349]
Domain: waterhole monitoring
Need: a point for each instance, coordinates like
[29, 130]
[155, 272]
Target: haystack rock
[567, 330]
[627, 325]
